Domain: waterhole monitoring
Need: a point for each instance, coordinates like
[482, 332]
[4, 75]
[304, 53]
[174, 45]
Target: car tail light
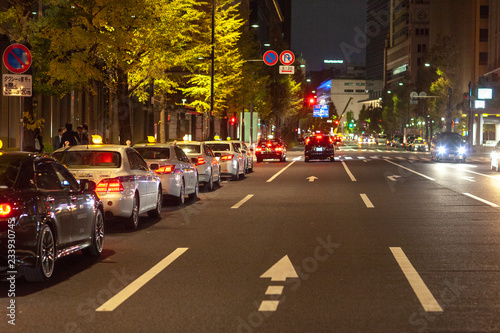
[279, 149]
[269, 144]
[331, 140]
[319, 137]
[109, 185]
[166, 169]
[258, 149]
[5, 209]
[200, 161]
[227, 157]
[307, 141]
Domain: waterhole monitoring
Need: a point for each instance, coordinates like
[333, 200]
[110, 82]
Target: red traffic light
[232, 120]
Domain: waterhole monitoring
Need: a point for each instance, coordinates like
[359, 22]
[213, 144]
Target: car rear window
[270, 143]
[89, 159]
[219, 146]
[314, 140]
[190, 149]
[154, 153]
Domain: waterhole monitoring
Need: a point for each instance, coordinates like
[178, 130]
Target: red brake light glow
[258, 149]
[5, 209]
[319, 137]
[109, 185]
[227, 157]
[201, 161]
[166, 169]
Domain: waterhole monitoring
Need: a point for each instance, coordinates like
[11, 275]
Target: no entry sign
[17, 58]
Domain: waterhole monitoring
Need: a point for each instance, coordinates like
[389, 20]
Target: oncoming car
[125, 184]
[179, 177]
[448, 146]
[45, 214]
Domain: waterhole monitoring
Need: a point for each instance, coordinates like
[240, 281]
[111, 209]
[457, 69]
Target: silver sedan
[179, 177]
[230, 157]
[209, 170]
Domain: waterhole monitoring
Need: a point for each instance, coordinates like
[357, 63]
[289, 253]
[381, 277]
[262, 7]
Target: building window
[348, 90]
[360, 83]
[483, 58]
[484, 12]
[421, 48]
[348, 83]
[417, 31]
[360, 90]
[483, 35]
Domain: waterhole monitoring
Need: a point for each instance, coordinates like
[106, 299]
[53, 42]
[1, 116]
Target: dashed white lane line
[482, 200]
[269, 305]
[408, 169]
[279, 172]
[124, 294]
[423, 293]
[274, 290]
[242, 201]
[367, 201]
[348, 172]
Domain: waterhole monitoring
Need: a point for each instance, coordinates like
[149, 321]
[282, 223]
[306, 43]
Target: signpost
[287, 69]
[321, 111]
[17, 59]
[270, 58]
[287, 58]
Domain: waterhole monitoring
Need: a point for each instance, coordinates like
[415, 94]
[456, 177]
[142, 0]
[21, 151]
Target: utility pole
[212, 76]
[449, 121]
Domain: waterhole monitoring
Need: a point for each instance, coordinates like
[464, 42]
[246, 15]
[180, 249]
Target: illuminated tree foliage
[228, 59]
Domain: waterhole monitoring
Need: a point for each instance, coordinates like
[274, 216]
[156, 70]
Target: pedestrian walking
[39, 147]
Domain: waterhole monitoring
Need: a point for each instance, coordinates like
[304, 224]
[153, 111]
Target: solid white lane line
[348, 172]
[279, 172]
[417, 173]
[367, 201]
[274, 290]
[482, 200]
[269, 305]
[242, 201]
[423, 293]
[128, 291]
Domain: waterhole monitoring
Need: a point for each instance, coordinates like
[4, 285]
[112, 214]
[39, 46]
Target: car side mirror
[154, 166]
[87, 185]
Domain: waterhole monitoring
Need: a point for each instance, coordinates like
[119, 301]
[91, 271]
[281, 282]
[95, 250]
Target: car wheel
[182, 193]
[306, 159]
[95, 248]
[237, 175]
[209, 186]
[133, 221]
[156, 212]
[194, 196]
[259, 160]
[47, 254]
[332, 159]
[251, 169]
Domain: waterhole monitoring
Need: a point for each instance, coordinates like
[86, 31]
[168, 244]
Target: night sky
[327, 29]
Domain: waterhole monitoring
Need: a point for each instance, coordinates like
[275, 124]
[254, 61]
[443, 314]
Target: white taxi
[125, 184]
[205, 161]
[231, 159]
[179, 177]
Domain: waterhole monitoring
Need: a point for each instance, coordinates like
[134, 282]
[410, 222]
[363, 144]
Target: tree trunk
[123, 107]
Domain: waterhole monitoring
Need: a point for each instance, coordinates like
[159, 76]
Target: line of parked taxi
[53, 206]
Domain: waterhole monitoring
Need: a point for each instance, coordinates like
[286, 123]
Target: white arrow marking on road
[312, 178]
[281, 270]
[471, 179]
[394, 178]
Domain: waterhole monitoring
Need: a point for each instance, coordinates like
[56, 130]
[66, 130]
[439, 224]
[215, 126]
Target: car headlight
[461, 150]
[441, 150]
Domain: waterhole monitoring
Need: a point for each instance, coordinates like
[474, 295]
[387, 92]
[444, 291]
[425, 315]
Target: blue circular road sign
[270, 58]
[17, 58]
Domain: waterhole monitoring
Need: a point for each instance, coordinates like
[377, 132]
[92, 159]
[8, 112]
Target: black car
[319, 146]
[270, 149]
[44, 214]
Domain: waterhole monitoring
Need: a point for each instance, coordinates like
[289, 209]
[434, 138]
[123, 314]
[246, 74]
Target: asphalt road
[378, 241]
